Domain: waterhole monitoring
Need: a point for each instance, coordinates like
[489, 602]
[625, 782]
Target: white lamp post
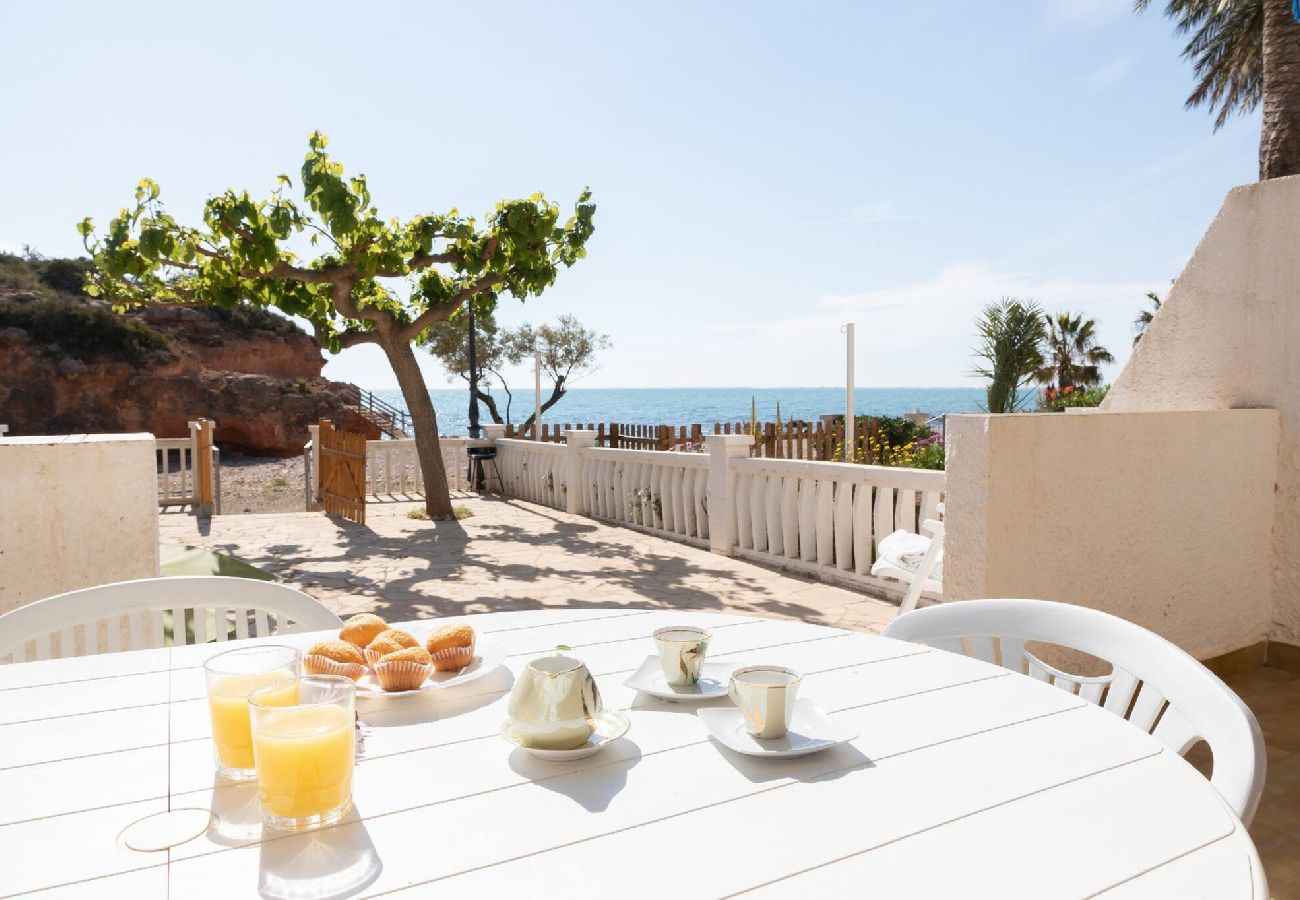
[848, 391]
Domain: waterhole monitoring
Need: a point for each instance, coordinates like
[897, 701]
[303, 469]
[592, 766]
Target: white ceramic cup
[681, 652]
[765, 696]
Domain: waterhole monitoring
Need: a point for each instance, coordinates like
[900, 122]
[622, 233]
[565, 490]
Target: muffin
[451, 646]
[403, 670]
[334, 658]
[386, 642]
[361, 630]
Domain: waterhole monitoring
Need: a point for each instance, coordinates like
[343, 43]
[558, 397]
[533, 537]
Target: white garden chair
[1152, 683]
[131, 615]
[923, 577]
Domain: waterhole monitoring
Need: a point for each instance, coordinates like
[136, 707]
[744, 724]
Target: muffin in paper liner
[372, 656]
[452, 658]
[315, 664]
[402, 675]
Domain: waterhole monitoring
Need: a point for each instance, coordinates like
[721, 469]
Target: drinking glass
[305, 751]
[231, 677]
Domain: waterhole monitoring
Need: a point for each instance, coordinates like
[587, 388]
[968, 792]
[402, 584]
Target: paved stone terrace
[509, 555]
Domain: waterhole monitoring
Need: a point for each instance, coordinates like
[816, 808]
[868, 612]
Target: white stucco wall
[75, 510]
[1228, 336]
[1164, 519]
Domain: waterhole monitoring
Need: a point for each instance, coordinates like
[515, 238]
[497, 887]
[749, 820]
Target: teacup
[554, 704]
[765, 697]
[681, 652]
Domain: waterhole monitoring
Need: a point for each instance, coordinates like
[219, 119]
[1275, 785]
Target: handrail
[889, 476]
[400, 418]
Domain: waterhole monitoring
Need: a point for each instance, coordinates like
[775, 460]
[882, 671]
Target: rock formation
[69, 364]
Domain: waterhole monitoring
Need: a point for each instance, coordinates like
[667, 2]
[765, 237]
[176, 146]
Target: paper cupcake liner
[402, 675]
[449, 659]
[372, 656]
[323, 665]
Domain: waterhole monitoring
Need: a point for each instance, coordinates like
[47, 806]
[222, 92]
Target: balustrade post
[723, 448]
[492, 432]
[204, 492]
[314, 431]
[575, 440]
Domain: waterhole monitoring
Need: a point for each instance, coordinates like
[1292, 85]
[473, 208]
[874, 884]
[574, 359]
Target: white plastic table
[967, 780]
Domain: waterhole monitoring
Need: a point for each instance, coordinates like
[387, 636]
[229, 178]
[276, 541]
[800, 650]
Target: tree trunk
[557, 391]
[437, 496]
[1279, 139]
[490, 402]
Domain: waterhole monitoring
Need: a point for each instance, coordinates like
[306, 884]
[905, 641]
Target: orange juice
[228, 706]
[304, 760]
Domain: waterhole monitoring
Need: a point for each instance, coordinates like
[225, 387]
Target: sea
[687, 406]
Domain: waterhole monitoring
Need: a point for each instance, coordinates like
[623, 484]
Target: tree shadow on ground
[404, 568]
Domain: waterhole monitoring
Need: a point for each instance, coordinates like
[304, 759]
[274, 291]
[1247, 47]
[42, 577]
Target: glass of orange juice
[305, 751]
[231, 677]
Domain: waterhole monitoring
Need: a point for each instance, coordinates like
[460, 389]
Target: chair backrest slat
[41, 627]
[1153, 684]
[1120, 695]
[201, 625]
[983, 648]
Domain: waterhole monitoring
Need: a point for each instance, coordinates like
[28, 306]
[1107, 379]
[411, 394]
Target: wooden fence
[811, 441]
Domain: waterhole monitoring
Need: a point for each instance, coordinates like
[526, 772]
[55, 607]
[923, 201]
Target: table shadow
[324, 864]
[825, 765]
[592, 787]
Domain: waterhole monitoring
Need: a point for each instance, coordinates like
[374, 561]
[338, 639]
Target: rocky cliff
[70, 364]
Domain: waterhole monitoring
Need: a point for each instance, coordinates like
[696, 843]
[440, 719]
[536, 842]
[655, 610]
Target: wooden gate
[342, 472]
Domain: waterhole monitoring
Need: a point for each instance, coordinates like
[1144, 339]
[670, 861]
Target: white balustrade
[821, 518]
[175, 461]
[393, 466]
[533, 470]
[826, 518]
[661, 492]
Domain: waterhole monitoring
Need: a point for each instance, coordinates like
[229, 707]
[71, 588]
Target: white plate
[488, 655]
[610, 726]
[649, 679]
[811, 730]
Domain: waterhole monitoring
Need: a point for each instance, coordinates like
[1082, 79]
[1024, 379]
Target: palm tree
[1073, 356]
[1146, 317]
[1244, 52]
[1011, 332]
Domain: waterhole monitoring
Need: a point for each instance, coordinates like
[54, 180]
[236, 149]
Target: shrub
[1052, 400]
[81, 329]
[247, 317]
[67, 276]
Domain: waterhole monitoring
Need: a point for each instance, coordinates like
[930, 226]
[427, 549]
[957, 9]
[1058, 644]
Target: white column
[848, 392]
[574, 443]
[722, 509]
[537, 397]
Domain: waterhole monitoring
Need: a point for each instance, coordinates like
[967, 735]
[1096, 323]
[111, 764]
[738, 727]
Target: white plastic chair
[132, 613]
[1153, 684]
[923, 578]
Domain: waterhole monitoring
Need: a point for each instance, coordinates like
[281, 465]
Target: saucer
[649, 679]
[610, 726]
[811, 730]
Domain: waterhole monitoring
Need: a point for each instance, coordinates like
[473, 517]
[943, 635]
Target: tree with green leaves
[1146, 317]
[1011, 334]
[448, 341]
[1072, 355]
[1245, 53]
[367, 281]
[568, 350]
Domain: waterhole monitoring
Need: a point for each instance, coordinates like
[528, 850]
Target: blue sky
[763, 171]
